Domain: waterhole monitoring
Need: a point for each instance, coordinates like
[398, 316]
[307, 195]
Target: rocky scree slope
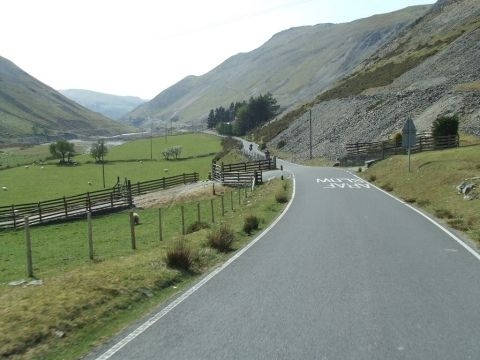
[430, 69]
[293, 65]
[30, 109]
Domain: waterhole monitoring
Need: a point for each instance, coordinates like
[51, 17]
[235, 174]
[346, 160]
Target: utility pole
[151, 140]
[166, 131]
[311, 152]
[102, 142]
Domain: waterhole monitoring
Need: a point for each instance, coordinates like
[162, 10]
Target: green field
[91, 301]
[18, 156]
[131, 160]
[432, 184]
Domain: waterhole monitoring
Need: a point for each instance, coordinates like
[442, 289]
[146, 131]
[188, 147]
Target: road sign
[409, 134]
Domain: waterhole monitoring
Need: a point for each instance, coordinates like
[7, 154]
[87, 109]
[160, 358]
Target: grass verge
[432, 184]
[82, 303]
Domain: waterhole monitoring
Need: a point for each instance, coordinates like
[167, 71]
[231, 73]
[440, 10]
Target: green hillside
[294, 65]
[29, 108]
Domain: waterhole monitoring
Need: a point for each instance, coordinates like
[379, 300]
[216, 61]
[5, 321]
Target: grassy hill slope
[28, 108]
[293, 65]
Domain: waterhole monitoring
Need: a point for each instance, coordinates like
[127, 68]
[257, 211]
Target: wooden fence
[108, 200]
[239, 174]
[425, 142]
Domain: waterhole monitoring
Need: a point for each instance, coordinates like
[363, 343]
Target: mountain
[430, 69]
[112, 106]
[293, 65]
[30, 110]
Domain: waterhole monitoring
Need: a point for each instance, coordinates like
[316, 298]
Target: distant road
[347, 273]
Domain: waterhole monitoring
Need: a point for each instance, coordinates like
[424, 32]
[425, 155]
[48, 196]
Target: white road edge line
[440, 226]
[152, 320]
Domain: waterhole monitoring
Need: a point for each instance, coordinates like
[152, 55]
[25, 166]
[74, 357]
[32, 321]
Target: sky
[142, 47]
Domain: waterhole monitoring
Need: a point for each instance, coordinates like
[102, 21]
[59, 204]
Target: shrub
[281, 197]
[458, 224]
[359, 170]
[281, 144]
[179, 256]
[387, 187]
[445, 125]
[372, 178]
[423, 202]
[250, 223]
[397, 138]
[442, 213]
[411, 200]
[221, 239]
[197, 226]
[262, 146]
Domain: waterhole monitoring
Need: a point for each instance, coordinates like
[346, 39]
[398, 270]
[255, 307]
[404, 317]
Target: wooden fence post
[213, 215]
[90, 235]
[183, 219]
[39, 211]
[89, 204]
[198, 211]
[129, 194]
[184, 180]
[160, 230]
[164, 182]
[65, 206]
[138, 188]
[213, 188]
[223, 207]
[132, 231]
[111, 200]
[28, 244]
[14, 217]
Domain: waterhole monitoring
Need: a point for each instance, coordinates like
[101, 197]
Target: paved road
[347, 273]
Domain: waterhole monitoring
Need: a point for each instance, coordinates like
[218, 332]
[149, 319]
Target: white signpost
[409, 138]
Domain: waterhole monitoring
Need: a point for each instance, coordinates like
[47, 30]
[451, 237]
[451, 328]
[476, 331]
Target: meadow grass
[130, 160]
[432, 184]
[21, 155]
[91, 301]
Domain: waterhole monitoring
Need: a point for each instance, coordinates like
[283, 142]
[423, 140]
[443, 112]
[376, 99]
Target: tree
[98, 151]
[62, 149]
[211, 119]
[445, 126]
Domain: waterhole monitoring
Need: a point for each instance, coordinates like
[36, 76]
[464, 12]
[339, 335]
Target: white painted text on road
[343, 183]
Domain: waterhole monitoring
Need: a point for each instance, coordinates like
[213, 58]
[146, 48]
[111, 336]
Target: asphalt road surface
[347, 273]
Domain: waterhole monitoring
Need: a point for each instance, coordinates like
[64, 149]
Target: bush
[442, 213]
[445, 126]
[359, 170]
[387, 187]
[250, 223]
[221, 239]
[281, 144]
[372, 178]
[179, 256]
[397, 138]
[262, 146]
[197, 226]
[281, 197]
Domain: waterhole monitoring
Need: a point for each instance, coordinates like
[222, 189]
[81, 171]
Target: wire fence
[50, 248]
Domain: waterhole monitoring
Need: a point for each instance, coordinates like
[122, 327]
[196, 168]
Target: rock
[460, 187]
[468, 188]
[17, 282]
[58, 333]
[35, 283]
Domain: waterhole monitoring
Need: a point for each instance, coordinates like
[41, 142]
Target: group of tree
[172, 152]
[246, 115]
[223, 115]
[63, 150]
